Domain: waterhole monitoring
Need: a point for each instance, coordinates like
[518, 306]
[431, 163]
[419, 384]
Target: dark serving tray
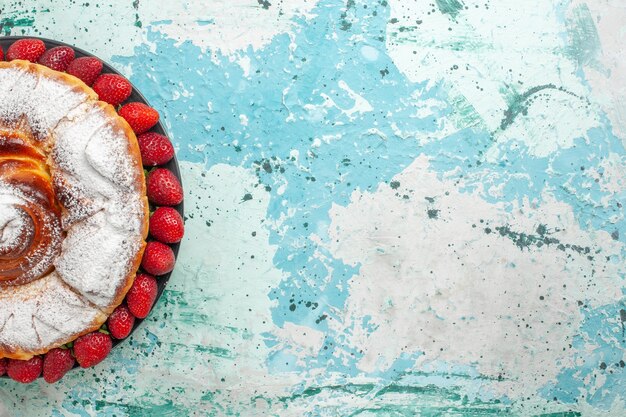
[6, 41]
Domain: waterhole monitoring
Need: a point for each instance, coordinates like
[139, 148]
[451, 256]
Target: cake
[73, 209]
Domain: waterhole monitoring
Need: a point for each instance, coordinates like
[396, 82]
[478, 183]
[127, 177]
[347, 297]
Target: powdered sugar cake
[73, 209]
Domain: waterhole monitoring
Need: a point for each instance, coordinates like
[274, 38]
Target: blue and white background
[394, 207]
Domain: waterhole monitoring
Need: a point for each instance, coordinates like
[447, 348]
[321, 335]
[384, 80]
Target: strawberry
[121, 322]
[141, 295]
[163, 188]
[1, 55]
[25, 371]
[92, 348]
[166, 225]
[27, 49]
[155, 149]
[57, 58]
[139, 116]
[86, 68]
[56, 364]
[112, 88]
[3, 366]
[158, 258]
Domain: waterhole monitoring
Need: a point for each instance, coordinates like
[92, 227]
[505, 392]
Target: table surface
[394, 207]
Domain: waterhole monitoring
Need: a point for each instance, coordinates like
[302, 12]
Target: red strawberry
[121, 322]
[112, 88]
[56, 364]
[141, 295]
[158, 259]
[27, 49]
[155, 149]
[1, 55]
[163, 188]
[25, 371]
[57, 58]
[166, 225]
[139, 116]
[86, 68]
[92, 348]
[3, 366]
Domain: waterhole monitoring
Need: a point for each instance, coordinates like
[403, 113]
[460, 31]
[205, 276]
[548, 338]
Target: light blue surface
[309, 148]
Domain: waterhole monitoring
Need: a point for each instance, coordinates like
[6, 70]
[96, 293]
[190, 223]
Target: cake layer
[110, 252]
[93, 167]
[41, 95]
[41, 314]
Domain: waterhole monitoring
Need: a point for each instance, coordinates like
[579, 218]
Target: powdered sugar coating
[41, 313]
[13, 224]
[93, 168]
[100, 242]
[34, 232]
[97, 177]
[21, 92]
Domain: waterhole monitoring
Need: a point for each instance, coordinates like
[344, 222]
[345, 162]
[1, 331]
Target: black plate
[6, 41]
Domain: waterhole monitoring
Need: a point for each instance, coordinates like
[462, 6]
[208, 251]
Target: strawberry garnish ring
[160, 154]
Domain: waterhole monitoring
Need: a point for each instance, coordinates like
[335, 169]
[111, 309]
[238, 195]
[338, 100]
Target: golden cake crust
[75, 298]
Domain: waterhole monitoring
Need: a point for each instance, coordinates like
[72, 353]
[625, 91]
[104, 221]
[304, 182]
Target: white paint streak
[361, 105]
[300, 341]
[445, 287]
[609, 81]
[227, 292]
[218, 25]
[489, 55]
[234, 24]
